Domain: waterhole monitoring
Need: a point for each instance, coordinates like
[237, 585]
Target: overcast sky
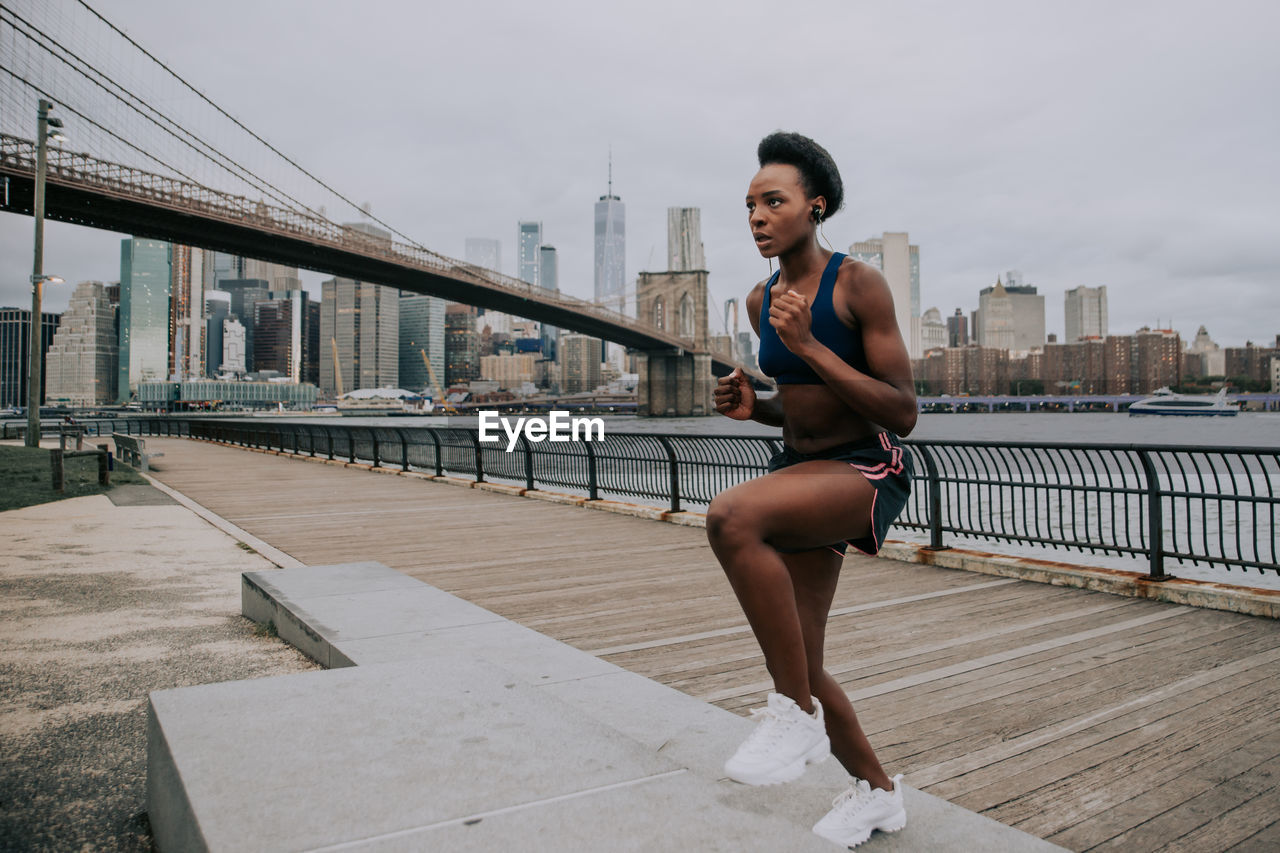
[1133, 145]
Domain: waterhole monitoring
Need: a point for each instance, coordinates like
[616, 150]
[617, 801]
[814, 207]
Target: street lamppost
[38, 278]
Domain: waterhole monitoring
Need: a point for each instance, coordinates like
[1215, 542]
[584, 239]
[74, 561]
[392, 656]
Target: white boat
[1165, 402]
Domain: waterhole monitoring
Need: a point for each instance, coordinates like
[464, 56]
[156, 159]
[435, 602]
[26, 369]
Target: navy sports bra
[790, 369]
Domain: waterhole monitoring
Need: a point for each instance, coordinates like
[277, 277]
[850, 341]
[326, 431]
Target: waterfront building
[217, 308]
[972, 370]
[1275, 372]
[510, 371]
[1085, 313]
[1011, 316]
[1204, 357]
[233, 346]
[461, 345]
[894, 256]
[484, 252]
[80, 365]
[359, 336]
[579, 363]
[684, 239]
[1250, 362]
[1158, 359]
[145, 279]
[186, 312]
[933, 332]
[422, 331]
[286, 334]
[958, 330]
[610, 249]
[203, 393]
[995, 318]
[1118, 364]
[15, 354]
[528, 239]
[245, 293]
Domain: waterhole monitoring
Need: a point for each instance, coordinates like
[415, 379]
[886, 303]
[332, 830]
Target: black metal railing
[1167, 504]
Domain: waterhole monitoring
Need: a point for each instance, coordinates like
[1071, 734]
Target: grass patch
[26, 477]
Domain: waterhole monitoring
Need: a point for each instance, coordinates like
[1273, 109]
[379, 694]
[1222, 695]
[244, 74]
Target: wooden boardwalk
[1094, 721]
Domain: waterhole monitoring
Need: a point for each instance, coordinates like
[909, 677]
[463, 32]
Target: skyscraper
[894, 256]
[484, 252]
[80, 367]
[528, 239]
[1085, 313]
[461, 345]
[1025, 320]
[145, 277]
[684, 239]
[958, 330]
[421, 330]
[549, 276]
[283, 337]
[611, 248]
[580, 365]
[186, 312]
[15, 353]
[362, 321]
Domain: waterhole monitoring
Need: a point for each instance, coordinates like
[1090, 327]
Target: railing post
[475, 440]
[377, 459]
[328, 437]
[593, 481]
[351, 444]
[935, 500]
[675, 473]
[1155, 518]
[439, 455]
[404, 450]
[528, 463]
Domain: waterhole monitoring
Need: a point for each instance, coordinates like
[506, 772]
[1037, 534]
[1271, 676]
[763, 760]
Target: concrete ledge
[454, 481]
[652, 513]
[555, 497]
[1215, 596]
[687, 519]
[460, 730]
[502, 489]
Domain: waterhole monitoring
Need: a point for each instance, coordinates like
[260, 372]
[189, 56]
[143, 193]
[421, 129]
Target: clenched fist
[734, 397]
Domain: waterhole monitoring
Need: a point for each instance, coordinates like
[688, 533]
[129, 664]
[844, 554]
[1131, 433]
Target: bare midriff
[814, 418]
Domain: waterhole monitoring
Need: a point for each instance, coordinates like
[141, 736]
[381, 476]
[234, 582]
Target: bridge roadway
[85, 190]
[1093, 721]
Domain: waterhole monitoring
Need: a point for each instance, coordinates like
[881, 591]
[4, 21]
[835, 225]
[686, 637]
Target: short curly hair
[817, 169]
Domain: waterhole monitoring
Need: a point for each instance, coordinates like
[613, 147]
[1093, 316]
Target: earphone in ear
[817, 213]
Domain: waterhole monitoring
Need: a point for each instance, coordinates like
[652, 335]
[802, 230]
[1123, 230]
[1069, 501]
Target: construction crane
[435, 383]
[337, 368]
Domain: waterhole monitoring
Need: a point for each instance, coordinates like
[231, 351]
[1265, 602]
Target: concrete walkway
[103, 600]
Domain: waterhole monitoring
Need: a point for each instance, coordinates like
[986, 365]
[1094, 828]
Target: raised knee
[726, 519]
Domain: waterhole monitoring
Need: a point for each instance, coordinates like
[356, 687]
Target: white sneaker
[860, 811]
[784, 741]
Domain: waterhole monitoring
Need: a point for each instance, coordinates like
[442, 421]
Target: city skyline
[1080, 147]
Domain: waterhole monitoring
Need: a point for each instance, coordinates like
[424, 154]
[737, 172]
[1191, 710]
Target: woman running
[829, 336]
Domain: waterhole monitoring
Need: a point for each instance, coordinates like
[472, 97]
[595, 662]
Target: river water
[1248, 429]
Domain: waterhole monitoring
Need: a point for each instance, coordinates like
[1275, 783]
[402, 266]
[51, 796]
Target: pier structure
[1085, 719]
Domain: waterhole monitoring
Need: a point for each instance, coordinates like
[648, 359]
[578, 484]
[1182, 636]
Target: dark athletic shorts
[887, 467]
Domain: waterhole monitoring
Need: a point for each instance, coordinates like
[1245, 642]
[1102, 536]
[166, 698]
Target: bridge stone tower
[675, 382]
